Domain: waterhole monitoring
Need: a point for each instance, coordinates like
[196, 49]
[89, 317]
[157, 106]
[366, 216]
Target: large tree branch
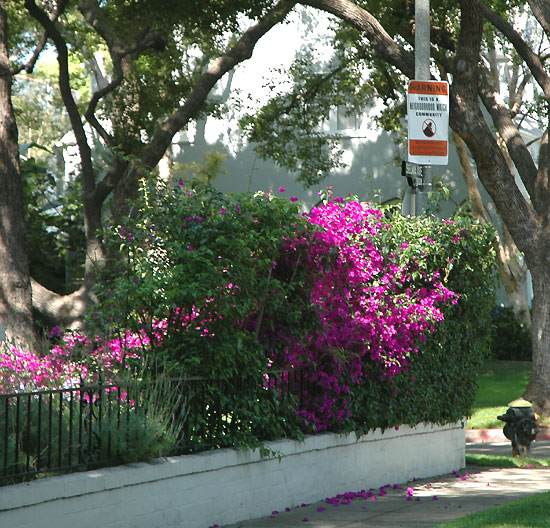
[29, 65]
[114, 174]
[523, 49]
[239, 52]
[91, 209]
[541, 10]
[517, 98]
[512, 270]
[143, 39]
[63, 310]
[502, 119]
[542, 187]
[474, 196]
[468, 121]
[383, 45]
[66, 93]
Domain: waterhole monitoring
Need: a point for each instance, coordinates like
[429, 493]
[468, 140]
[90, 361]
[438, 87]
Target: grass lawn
[531, 512]
[506, 461]
[500, 383]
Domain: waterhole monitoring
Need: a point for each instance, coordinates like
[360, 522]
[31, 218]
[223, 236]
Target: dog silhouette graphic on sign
[428, 128]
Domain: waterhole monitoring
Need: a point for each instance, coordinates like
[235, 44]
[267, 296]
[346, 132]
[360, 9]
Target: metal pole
[422, 40]
[422, 72]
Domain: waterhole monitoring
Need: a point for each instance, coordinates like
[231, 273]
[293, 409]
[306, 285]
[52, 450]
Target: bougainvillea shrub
[371, 311]
[359, 299]
[73, 360]
[440, 383]
[384, 317]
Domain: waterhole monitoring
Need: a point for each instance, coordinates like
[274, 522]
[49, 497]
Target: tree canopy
[154, 64]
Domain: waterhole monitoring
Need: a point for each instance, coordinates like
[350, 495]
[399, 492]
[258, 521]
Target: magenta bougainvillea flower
[370, 309]
[369, 313]
[62, 367]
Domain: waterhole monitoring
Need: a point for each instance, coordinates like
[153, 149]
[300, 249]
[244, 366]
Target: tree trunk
[538, 390]
[512, 269]
[65, 311]
[513, 274]
[16, 322]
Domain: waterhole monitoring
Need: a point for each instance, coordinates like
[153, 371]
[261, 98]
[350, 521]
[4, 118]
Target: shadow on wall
[370, 173]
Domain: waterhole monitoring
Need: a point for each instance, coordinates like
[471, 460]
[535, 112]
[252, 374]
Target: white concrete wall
[225, 486]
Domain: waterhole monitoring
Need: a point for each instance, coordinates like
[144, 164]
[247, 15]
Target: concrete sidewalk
[420, 503]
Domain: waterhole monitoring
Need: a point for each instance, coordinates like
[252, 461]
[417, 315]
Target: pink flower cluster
[23, 370]
[69, 363]
[370, 309]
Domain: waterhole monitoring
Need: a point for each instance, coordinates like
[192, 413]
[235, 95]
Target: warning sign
[428, 117]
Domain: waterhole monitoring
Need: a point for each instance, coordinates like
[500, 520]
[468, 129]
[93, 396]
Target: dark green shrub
[511, 340]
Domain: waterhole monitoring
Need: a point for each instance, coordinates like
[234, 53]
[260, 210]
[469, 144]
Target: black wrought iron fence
[70, 429]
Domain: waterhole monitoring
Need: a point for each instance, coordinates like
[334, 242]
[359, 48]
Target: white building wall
[369, 153]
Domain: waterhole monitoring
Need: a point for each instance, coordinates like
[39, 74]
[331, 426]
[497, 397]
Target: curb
[475, 436]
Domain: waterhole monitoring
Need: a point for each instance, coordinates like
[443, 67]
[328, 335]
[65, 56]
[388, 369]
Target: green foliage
[289, 129]
[54, 228]
[198, 279]
[23, 30]
[204, 172]
[195, 18]
[201, 262]
[38, 108]
[510, 339]
[139, 437]
[184, 38]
